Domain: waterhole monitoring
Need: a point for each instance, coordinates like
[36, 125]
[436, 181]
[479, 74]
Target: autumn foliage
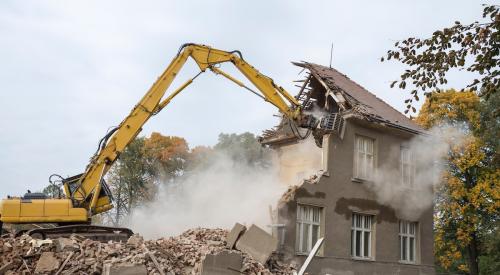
[468, 204]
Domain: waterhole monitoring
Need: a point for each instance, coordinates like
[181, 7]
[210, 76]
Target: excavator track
[93, 232]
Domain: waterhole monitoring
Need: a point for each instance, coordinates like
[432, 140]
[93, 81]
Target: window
[361, 236]
[364, 160]
[407, 241]
[308, 227]
[407, 166]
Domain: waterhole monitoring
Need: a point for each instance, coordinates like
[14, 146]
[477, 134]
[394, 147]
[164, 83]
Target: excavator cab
[105, 197]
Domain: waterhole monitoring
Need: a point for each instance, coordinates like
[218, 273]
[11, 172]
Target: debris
[26, 266]
[7, 247]
[257, 243]
[128, 269]
[226, 262]
[36, 243]
[6, 267]
[65, 262]
[183, 254]
[135, 240]
[289, 195]
[47, 263]
[234, 235]
[155, 261]
[65, 244]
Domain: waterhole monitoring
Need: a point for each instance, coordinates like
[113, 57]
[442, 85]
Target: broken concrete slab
[224, 263]
[135, 240]
[257, 243]
[234, 235]
[65, 244]
[47, 263]
[128, 269]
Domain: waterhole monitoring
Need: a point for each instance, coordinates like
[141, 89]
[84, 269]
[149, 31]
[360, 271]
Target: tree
[131, 180]
[468, 204]
[53, 191]
[168, 154]
[490, 126]
[472, 47]
[145, 163]
[199, 156]
[489, 262]
[244, 148]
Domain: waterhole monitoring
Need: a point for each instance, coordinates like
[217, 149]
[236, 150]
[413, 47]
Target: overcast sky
[71, 69]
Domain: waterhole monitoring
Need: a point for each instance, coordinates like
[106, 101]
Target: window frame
[364, 217]
[370, 173]
[408, 162]
[407, 236]
[300, 222]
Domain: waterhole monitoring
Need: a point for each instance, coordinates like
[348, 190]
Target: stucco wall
[340, 196]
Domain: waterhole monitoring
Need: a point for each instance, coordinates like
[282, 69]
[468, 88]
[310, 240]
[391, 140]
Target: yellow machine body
[18, 210]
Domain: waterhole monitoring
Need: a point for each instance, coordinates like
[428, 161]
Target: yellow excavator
[87, 194]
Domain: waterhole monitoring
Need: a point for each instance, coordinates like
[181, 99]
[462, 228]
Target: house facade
[341, 203]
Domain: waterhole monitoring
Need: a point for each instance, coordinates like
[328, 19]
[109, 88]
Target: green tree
[244, 148]
[468, 204]
[490, 126]
[53, 191]
[473, 47]
[131, 180]
[489, 261]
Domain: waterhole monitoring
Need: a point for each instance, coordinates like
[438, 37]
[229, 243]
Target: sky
[69, 70]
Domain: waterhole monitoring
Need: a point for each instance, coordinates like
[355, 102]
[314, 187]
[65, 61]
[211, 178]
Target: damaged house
[361, 235]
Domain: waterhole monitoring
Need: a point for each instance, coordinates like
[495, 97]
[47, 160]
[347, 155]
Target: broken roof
[360, 100]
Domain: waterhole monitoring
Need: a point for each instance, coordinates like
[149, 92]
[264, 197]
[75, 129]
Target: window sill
[358, 180]
[408, 263]
[363, 259]
[319, 254]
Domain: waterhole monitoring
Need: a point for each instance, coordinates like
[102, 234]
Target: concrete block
[224, 263]
[128, 269]
[47, 263]
[234, 235]
[257, 243]
[135, 241]
[65, 244]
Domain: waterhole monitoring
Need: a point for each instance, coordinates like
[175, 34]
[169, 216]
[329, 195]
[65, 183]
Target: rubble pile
[183, 254]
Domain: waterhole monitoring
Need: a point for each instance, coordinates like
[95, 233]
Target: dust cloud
[223, 191]
[427, 155]
[218, 194]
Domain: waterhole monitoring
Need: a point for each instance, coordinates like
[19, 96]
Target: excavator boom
[87, 194]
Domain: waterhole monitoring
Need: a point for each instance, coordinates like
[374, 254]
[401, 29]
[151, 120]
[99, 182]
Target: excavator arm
[87, 190]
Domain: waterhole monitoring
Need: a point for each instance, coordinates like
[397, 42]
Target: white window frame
[306, 218]
[408, 233]
[362, 223]
[364, 168]
[407, 166]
